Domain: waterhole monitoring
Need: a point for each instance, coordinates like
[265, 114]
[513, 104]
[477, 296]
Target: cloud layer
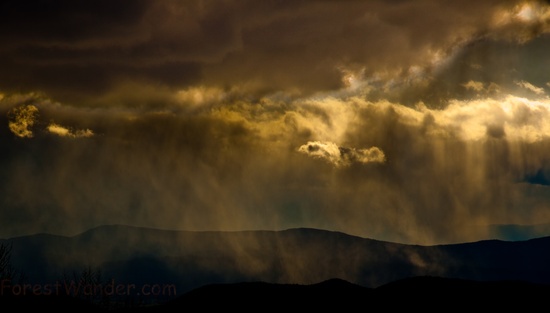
[405, 121]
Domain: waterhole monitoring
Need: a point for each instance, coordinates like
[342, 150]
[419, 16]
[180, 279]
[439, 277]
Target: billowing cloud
[268, 47]
[341, 156]
[523, 21]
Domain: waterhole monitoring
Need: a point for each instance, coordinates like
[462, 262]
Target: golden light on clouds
[342, 156]
[476, 86]
[22, 119]
[66, 132]
[523, 21]
[532, 12]
[531, 87]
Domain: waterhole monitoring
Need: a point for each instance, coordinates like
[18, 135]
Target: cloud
[531, 87]
[25, 120]
[476, 86]
[66, 132]
[269, 47]
[522, 21]
[22, 119]
[341, 156]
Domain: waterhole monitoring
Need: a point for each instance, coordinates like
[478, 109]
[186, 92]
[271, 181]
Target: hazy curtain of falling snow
[429, 118]
[427, 170]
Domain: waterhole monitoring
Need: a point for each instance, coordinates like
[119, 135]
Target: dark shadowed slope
[256, 295]
[442, 294]
[498, 260]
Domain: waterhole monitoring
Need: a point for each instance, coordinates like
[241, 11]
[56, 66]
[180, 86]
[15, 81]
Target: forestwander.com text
[76, 289]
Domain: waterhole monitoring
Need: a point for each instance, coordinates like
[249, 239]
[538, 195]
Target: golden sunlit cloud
[480, 87]
[529, 86]
[525, 21]
[341, 156]
[521, 119]
[474, 85]
[21, 119]
[66, 132]
[531, 12]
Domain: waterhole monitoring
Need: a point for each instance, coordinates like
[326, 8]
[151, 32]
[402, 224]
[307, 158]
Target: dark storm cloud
[66, 48]
[485, 68]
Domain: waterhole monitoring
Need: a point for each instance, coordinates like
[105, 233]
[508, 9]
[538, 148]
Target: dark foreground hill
[42, 303]
[433, 293]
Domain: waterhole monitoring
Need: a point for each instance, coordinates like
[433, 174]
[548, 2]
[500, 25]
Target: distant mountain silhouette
[185, 261]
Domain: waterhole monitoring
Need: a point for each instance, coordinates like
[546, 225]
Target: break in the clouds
[417, 122]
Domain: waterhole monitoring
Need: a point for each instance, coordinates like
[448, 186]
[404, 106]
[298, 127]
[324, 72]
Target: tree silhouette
[88, 284]
[7, 271]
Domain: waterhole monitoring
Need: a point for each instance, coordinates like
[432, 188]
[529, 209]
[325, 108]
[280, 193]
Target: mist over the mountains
[171, 263]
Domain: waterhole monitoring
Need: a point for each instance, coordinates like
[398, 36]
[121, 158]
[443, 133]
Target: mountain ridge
[111, 227]
[189, 259]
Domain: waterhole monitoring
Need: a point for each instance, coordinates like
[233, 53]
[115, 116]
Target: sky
[418, 122]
